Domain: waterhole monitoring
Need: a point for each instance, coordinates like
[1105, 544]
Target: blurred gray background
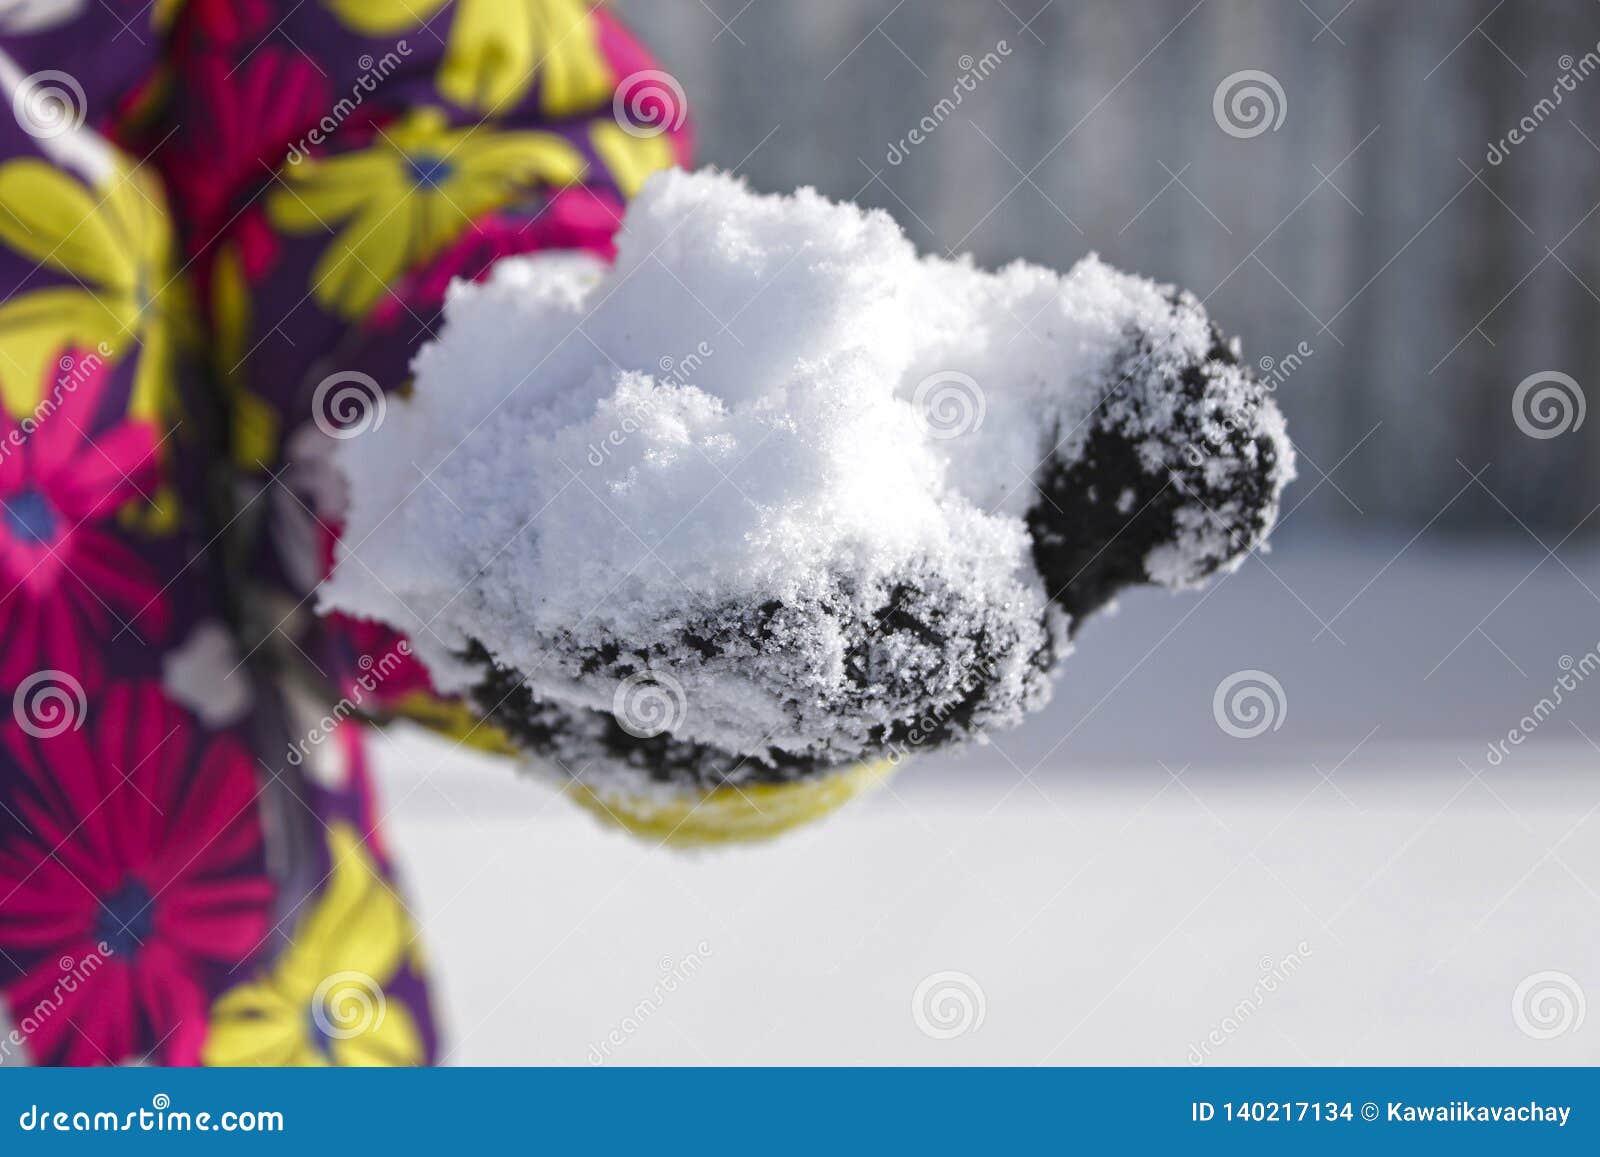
[1110, 882]
[1368, 224]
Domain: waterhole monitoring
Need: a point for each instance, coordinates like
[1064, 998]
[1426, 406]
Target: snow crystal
[817, 495]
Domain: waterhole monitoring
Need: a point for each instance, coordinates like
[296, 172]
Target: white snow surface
[765, 400]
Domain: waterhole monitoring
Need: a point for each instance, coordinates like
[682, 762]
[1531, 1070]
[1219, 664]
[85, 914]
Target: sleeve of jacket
[333, 169]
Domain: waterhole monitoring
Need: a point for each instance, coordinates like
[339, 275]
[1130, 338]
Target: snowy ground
[1117, 878]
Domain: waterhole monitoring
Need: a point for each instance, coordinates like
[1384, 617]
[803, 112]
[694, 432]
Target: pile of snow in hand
[772, 493]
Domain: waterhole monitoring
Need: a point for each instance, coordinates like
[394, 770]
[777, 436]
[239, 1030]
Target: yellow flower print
[497, 48]
[162, 12]
[160, 517]
[323, 1003]
[629, 158]
[403, 200]
[116, 243]
[252, 419]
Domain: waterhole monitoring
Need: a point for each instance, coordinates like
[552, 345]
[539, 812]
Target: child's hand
[861, 518]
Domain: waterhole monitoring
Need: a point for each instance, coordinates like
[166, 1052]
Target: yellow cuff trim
[729, 815]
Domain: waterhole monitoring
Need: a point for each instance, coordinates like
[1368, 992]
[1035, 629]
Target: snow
[777, 463]
[1112, 910]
